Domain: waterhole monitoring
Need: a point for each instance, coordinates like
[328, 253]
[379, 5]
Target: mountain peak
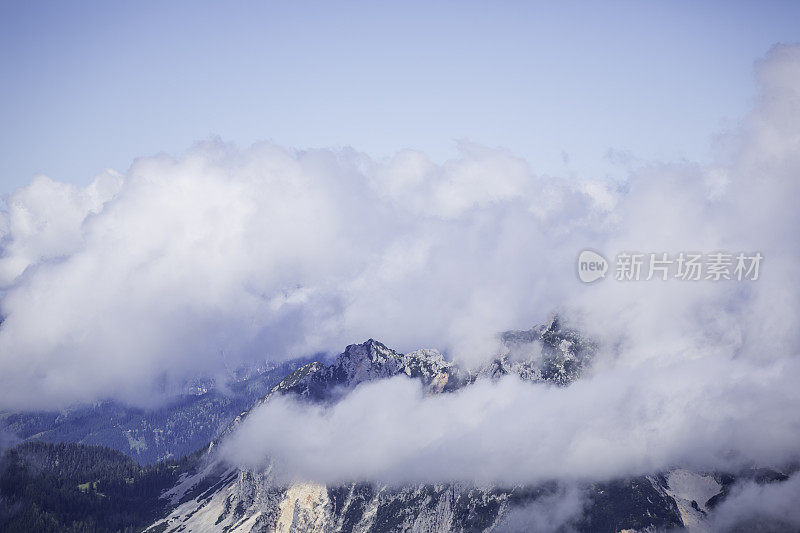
[548, 352]
[366, 361]
[374, 350]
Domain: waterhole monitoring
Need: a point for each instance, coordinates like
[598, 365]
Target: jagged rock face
[549, 353]
[361, 363]
[254, 501]
[369, 361]
[239, 500]
[364, 362]
[542, 354]
[225, 498]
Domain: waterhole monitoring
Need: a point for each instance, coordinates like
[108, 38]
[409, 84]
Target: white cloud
[710, 413]
[222, 256]
[549, 513]
[44, 220]
[771, 507]
[700, 375]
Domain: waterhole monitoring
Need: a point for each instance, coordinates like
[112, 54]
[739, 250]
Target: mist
[708, 414]
[225, 256]
[695, 374]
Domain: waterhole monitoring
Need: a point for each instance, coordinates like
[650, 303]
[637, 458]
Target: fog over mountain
[191, 265]
[703, 414]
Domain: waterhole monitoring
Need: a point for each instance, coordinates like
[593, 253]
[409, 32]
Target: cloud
[700, 375]
[754, 507]
[7, 440]
[706, 414]
[44, 220]
[224, 256]
[552, 512]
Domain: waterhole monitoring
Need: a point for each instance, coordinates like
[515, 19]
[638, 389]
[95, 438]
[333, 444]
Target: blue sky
[88, 85]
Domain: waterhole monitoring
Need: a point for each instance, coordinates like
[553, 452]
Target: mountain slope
[224, 497]
[187, 423]
[72, 487]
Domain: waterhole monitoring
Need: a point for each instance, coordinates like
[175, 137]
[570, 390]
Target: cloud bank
[225, 257]
[220, 257]
[756, 507]
[706, 414]
[700, 375]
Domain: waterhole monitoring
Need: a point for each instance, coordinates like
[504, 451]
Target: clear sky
[87, 85]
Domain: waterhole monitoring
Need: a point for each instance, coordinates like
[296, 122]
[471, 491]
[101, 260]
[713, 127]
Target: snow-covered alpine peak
[549, 353]
[364, 362]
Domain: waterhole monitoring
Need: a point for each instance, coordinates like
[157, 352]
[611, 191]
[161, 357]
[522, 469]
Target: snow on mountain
[219, 496]
[692, 491]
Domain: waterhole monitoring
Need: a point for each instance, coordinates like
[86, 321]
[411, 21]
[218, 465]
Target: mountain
[545, 354]
[224, 497]
[55, 487]
[77, 488]
[186, 423]
[242, 500]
